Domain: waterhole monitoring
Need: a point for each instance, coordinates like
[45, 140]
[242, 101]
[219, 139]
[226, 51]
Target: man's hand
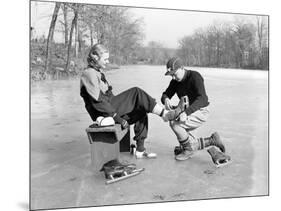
[168, 105]
[171, 114]
[182, 117]
[176, 113]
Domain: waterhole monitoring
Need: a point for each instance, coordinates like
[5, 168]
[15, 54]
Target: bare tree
[51, 35]
[77, 32]
[262, 32]
[65, 16]
[75, 8]
[115, 28]
[228, 44]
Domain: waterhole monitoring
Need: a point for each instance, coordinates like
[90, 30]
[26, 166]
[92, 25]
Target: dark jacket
[192, 85]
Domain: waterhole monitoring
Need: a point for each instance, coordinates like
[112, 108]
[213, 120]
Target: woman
[127, 108]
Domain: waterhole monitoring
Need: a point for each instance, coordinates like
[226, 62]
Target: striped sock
[201, 143]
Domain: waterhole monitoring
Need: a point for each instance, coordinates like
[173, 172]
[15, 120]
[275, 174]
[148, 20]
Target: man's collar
[186, 74]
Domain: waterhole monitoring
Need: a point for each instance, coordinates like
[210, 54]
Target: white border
[15, 103]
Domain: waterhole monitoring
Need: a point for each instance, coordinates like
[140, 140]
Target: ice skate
[219, 158]
[215, 140]
[116, 163]
[115, 174]
[115, 171]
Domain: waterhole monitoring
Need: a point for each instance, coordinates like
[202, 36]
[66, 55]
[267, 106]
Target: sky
[168, 26]
[164, 26]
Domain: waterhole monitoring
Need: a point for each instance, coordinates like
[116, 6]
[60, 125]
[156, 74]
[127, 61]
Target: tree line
[241, 43]
[235, 44]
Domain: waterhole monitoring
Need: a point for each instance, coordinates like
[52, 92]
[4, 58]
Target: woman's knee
[135, 89]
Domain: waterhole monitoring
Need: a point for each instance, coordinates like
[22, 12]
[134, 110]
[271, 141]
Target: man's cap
[173, 64]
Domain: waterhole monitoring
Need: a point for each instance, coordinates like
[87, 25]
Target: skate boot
[219, 158]
[215, 140]
[144, 154]
[116, 165]
[113, 172]
[184, 155]
[118, 174]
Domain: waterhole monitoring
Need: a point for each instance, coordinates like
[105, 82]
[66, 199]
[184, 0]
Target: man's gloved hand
[169, 105]
[180, 114]
[182, 117]
[171, 114]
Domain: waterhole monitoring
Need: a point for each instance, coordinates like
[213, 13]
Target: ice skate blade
[134, 173]
[220, 165]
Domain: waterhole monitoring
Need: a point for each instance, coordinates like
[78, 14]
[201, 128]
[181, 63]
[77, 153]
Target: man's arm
[170, 91]
[202, 98]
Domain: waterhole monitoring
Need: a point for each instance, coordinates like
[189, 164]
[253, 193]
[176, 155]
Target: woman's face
[103, 60]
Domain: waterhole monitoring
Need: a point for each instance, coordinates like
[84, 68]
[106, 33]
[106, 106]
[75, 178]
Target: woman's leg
[133, 105]
[133, 99]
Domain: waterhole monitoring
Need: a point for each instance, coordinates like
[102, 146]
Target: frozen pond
[60, 157]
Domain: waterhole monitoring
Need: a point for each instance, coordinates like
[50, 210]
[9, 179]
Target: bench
[107, 143]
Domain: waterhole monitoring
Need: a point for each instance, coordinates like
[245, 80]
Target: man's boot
[184, 151]
[213, 140]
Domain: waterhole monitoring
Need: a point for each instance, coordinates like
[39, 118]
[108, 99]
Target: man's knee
[174, 124]
[178, 129]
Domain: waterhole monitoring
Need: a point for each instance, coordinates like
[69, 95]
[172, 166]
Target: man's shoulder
[195, 74]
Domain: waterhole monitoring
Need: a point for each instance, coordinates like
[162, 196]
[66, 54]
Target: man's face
[178, 74]
[103, 60]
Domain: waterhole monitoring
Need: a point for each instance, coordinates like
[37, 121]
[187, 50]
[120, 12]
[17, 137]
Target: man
[126, 108]
[189, 84]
